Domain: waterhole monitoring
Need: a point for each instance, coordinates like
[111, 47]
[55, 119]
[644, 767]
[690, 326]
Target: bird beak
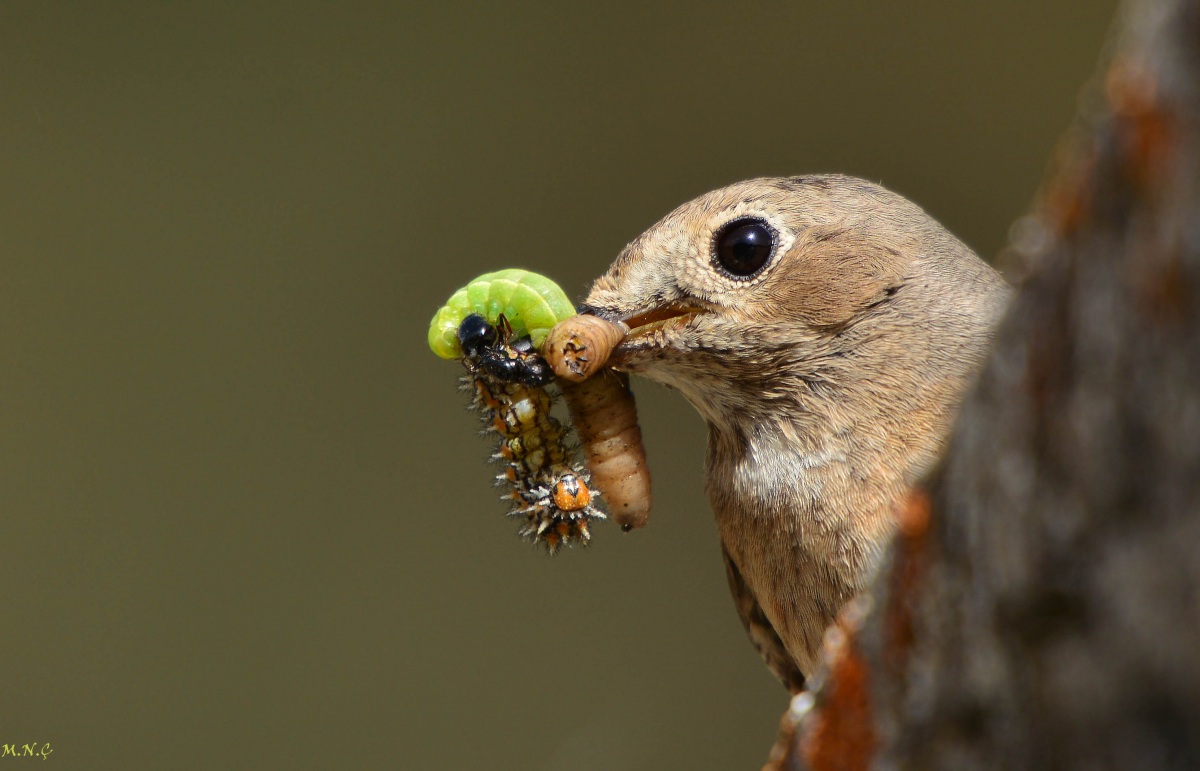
[644, 328]
[645, 322]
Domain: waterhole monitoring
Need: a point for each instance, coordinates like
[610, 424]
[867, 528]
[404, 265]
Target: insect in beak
[644, 328]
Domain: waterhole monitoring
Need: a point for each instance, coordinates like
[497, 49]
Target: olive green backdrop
[245, 519]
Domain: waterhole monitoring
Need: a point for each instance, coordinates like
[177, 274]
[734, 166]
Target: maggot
[603, 413]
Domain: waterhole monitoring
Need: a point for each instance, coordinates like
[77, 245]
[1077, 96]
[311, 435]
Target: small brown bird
[826, 329]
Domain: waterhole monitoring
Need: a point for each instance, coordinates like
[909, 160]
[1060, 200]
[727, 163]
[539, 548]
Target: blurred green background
[246, 521]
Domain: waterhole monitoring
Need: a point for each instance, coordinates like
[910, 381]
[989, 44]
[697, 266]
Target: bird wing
[759, 628]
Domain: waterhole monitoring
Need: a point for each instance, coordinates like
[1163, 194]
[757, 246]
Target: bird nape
[826, 330]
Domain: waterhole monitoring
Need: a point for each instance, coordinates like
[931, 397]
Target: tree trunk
[1041, 608]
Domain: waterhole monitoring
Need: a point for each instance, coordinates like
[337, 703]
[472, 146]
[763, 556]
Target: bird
[826, 330]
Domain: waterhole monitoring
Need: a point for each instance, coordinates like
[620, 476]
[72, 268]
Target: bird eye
[743, 247]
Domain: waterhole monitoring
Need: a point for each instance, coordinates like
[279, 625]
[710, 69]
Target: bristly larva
[604, 414]
[495, 325]
[546, 486]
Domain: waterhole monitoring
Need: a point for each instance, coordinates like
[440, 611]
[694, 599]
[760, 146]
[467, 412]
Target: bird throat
[796, 518]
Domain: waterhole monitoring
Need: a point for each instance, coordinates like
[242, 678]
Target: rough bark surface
[1041, 608]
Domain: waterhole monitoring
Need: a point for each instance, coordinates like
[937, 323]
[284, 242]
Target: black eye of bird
[743, 247]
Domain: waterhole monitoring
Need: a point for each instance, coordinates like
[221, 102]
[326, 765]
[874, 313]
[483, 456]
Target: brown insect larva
[603, 413]
[545, 487]
[578, 347]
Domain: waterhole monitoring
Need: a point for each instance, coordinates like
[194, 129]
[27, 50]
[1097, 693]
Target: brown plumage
[826, 330]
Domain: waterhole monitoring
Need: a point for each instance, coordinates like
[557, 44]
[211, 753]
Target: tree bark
[1041, 607]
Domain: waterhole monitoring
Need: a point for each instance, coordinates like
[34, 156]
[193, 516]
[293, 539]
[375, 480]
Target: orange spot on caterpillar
[571, 494]
[485, 395]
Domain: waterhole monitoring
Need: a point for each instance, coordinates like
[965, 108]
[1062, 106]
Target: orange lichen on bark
[910, 562]
[913, 517]
[1066, 197]
[1145, 128]
[1146, 133]
[840, 736]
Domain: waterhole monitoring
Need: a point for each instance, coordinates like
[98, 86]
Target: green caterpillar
[530, 302]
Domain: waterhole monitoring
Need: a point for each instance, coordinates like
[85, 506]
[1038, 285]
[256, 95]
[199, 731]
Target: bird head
[821, 302]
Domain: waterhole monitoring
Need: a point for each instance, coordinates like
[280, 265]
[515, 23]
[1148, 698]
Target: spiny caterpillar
[490, 324]
[494, 325]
